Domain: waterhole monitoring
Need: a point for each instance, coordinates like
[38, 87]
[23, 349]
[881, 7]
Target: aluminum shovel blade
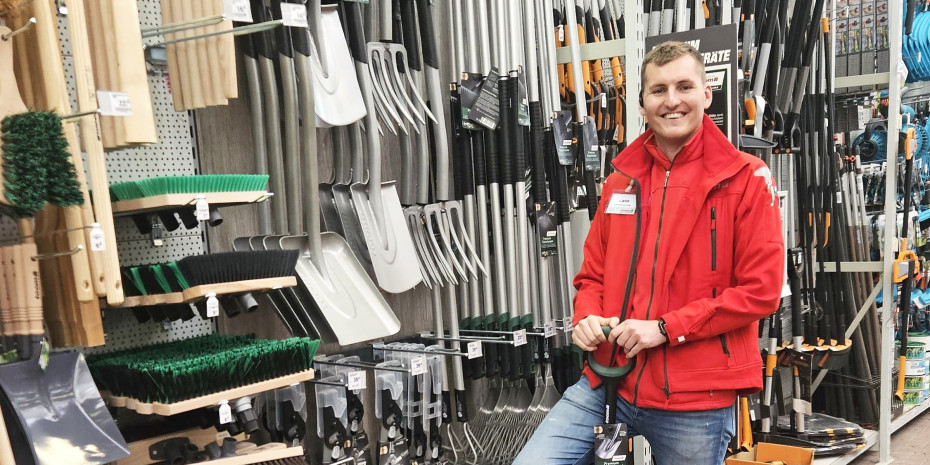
[351, 303]
[61, 412]
[389, 244]
[337, 96]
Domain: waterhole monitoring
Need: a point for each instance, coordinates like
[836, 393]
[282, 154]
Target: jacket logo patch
[766, 174]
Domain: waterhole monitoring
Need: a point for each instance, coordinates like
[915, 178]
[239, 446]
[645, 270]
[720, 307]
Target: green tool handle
[608, 372]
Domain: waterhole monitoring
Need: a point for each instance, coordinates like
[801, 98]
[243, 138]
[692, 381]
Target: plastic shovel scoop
[338, 98]
[55, 412]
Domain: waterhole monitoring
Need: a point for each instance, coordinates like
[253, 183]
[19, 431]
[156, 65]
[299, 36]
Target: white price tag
[356, 380]
[202, 209]
[294, 14]
[561, 33]
[225, 413]
[114, 103]
[865, 114]
[213, 306]
[97, 239]
[550, 329]
[567, 324]
[603, 100]
[474, 350]
[238, 10]
[519, 337]
[418, 366]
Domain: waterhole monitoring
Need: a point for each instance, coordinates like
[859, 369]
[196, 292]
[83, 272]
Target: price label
[567, 324]
[418, 366]
[238, 10]
[202, 209]
[603, 100]
[519, 337]
[865, 114]
[97, 239]
[561, 33]
[474, 350]
[225, 413]
[294, 14]
[549, 329]
[356, 380]
[114, 103]
[213, 306]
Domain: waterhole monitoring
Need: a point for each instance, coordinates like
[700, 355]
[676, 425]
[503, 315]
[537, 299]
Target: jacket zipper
[723, 339]
[713, 238]
[652, 289]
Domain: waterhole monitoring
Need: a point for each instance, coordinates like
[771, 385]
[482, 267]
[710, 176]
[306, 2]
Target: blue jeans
[566, 435]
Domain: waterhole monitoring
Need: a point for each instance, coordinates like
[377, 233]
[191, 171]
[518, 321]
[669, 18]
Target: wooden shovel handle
[86, 98]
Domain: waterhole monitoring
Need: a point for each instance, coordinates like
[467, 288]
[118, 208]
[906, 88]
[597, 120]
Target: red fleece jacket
[711, 263]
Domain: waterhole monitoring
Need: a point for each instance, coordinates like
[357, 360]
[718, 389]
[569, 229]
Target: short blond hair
[667, 52]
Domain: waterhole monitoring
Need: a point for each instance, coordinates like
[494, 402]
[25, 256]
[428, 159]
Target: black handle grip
[527, 364]
[281, 35]
[607, 24]
[504, 131]
[506, 356]
[477, 149]
[427, 34]
[468, 164]
[408, 19]
[461, 406]
[244, 45]
[355, 31]
[556, 174]
[537, 149]
[459, 142]
[263, 41]
[590, 185]
[490, 149]
[299, 36]
[491, 360]
[517, 133]
[909, 19]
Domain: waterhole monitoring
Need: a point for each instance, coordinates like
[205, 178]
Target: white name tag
[621, 204]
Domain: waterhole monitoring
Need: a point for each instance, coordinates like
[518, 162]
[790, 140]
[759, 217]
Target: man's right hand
[587, 334]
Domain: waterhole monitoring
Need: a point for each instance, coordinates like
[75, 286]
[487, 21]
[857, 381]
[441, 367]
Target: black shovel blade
[61, 412]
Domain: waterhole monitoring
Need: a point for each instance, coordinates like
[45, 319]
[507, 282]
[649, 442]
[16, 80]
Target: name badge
[621, 204]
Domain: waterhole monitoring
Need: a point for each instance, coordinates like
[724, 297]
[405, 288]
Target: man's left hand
[635, 336]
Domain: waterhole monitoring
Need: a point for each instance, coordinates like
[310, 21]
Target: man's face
[674, 99]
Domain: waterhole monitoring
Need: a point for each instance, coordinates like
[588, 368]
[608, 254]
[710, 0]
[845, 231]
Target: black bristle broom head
[238, 266]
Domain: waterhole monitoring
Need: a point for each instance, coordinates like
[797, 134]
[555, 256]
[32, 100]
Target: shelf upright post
[896, 18]
[634, 53]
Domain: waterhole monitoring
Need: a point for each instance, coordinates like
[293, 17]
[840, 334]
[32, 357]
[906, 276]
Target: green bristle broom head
[24, 167]
[128, 190]
[238, 266]
[163, 284]
[61, 180]
[133, 287]
[180, 370]
[188, 185]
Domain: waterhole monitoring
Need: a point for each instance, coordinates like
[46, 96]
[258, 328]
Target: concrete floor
[909, 446]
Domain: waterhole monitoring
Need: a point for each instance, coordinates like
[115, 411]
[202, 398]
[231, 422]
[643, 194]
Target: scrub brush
[180, 370]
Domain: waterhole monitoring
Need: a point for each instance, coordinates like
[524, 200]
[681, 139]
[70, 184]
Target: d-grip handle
[608, 372]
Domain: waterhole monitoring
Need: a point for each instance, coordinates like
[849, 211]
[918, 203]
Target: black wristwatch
[662, 329]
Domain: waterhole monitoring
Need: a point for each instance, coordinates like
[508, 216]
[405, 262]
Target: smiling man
[681, 279]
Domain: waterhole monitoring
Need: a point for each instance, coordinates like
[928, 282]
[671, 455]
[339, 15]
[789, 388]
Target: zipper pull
[666, 178]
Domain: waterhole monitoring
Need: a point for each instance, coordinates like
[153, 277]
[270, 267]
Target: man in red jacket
[687, 244]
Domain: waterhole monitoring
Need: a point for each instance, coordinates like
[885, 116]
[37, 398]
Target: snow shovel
[338, 99]
[55, 413]
[378, 206]
[343, 292]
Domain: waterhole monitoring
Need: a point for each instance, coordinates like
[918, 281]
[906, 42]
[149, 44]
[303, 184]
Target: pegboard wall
[174, 154]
